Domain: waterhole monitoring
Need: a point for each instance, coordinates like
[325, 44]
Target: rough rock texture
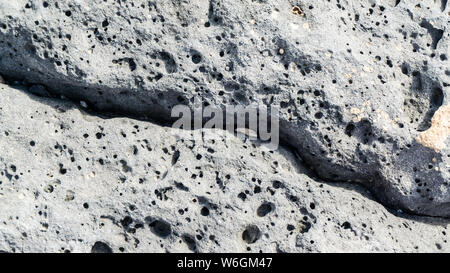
[73, 181]
[357, 81]
[435, 137]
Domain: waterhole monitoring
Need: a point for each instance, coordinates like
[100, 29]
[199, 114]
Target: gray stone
[72, 181]
[358, 83]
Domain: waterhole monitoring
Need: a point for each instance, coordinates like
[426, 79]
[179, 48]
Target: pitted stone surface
[357, 82]
[71, 181]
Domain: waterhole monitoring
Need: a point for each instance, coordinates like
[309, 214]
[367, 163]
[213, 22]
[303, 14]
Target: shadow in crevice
[362, 190]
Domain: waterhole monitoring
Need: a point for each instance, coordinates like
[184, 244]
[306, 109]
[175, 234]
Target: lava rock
[128, 201]
[358, 83]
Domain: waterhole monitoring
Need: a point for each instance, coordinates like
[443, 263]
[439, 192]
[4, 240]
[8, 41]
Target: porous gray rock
[358, 82]
[72, 181]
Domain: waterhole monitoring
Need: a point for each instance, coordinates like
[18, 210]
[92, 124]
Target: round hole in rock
[160, 228]
[251, 234]
[101, 247]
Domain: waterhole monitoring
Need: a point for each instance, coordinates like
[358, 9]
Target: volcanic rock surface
[357, 82]
[72, 181]
[90, 162]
